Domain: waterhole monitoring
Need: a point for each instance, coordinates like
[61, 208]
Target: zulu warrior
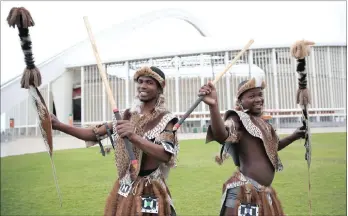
[148, 125]
[253, 145]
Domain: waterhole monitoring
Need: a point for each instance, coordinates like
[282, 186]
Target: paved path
[27, 145]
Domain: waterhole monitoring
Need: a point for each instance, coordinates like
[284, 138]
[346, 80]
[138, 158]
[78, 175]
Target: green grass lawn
[85, 179]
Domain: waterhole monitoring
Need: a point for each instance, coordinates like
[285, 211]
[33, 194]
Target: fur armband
[168, 146]
[96, 129]
[228, 147]
[168, 139]
[232, 132]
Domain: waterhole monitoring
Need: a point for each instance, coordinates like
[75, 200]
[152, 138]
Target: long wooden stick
[100, 67]
[102, 73]
[217, 78]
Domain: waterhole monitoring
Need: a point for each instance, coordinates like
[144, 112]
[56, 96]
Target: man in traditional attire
[149, 127]
[253, 145]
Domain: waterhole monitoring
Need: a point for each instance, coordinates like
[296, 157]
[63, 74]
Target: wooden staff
[115, 110]
[217, 78]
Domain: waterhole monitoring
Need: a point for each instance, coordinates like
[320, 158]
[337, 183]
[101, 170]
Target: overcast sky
[60, 25]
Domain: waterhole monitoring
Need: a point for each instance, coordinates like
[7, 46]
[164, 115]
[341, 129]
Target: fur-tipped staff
[31, 80]
[300, 50]
[217, 78]
[117, 116]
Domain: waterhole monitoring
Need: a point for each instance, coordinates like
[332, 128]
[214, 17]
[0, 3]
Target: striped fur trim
[255, 82]
[146, 71]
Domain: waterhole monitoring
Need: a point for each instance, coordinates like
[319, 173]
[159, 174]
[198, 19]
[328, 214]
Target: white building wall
[326, 79]
[62, 94]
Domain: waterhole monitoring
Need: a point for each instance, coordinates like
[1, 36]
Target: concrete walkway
[27, 145]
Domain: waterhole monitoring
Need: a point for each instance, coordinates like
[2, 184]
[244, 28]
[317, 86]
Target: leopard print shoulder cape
[151, 127]
[256, 127]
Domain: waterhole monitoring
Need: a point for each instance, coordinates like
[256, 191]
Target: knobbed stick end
[300, 49]
[20, 17]
[31, 77]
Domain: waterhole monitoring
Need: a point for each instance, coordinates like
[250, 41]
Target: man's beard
[137, 104]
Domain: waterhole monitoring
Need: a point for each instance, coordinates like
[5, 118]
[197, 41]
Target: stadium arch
[53, 68]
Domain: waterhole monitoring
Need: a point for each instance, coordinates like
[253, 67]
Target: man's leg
[230, 212]
[229, 207]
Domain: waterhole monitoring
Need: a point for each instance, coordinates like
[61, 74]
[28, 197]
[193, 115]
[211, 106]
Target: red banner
[76, 93]
[11, 122]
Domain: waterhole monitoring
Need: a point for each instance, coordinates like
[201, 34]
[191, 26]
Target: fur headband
[153, 72]
[255, 82]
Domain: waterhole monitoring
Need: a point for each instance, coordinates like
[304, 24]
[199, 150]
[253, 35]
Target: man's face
[147, 88]
[253, 100]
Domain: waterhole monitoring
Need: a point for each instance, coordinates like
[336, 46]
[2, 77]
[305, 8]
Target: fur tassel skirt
[136, 201]
[262, 199]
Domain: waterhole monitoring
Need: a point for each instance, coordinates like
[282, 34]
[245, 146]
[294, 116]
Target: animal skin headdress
[156, 74]
[254, 82]
[153, 72]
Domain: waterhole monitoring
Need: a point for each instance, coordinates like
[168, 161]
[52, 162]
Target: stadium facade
[73, 88]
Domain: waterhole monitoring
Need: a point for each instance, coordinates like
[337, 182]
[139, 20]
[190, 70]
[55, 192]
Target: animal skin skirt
[147, 196]
[247, 197]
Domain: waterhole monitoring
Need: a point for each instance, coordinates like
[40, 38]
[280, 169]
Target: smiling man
[149, 126]
[253, 145]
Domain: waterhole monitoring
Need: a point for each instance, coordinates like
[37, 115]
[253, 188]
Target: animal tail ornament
[300, 50]
[31, 80]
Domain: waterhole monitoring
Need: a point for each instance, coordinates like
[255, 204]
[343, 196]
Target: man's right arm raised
[217, 126]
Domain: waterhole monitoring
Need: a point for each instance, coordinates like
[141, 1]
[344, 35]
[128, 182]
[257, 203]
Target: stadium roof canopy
[115, 45]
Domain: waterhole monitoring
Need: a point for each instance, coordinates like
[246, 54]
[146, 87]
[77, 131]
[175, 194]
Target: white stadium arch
[55, 66]
[187, 64]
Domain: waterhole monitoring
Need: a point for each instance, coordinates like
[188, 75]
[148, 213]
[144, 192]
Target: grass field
[85, 179]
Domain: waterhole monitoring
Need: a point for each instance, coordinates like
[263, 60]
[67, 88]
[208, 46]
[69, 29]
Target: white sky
[59, 25]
